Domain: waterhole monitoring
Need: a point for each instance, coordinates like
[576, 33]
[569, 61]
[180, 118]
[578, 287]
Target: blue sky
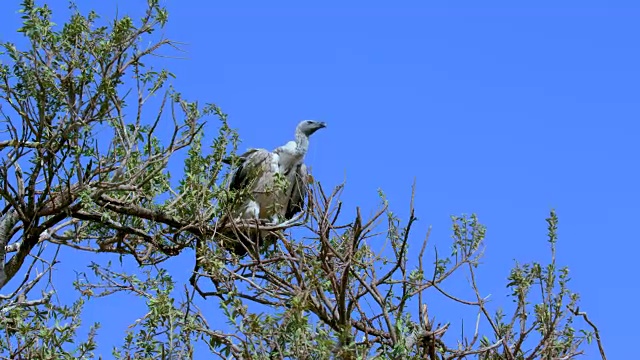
[501, 109]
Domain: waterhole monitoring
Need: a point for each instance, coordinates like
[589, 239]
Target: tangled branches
[362, 300]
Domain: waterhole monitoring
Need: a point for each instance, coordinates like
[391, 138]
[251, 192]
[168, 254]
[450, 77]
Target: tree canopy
[84, 166]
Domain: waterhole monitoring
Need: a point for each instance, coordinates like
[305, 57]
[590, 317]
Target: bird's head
[308, 127]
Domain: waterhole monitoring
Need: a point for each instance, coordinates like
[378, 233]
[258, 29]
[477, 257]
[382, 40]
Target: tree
[328, 291]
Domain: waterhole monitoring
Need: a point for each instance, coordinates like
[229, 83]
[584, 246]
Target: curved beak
[321, 124]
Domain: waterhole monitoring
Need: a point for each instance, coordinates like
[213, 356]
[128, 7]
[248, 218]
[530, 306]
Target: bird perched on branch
[275, 185]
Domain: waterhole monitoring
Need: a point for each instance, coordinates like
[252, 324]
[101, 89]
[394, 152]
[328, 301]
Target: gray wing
[253, 165]
[298, 193]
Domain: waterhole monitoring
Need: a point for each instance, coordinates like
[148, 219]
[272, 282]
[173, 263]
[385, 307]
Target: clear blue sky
[502, 109]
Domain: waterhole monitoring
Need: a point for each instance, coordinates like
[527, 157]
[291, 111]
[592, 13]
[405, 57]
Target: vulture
[275, 182]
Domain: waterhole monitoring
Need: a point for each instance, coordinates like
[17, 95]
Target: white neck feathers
[302, 143]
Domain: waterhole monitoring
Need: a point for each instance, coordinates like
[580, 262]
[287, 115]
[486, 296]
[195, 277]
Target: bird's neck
[302, 143]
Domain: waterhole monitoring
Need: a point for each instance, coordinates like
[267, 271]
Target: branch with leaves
[332, 286]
